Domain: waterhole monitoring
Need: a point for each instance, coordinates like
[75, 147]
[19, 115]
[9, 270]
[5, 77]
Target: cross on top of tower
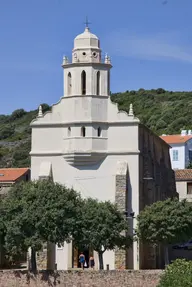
[87, 23]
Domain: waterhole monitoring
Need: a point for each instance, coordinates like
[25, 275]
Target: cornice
[61, 153]
[80, 123]
[85, 64]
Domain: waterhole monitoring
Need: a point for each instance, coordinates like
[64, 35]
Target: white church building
[86, 143]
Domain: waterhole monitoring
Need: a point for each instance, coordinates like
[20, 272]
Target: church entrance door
[86, 254]
[76, 252]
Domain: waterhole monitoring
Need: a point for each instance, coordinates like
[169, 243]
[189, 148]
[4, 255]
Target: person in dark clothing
[91, 262]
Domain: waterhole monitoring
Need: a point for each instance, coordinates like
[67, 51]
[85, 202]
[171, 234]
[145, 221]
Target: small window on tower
[69, 83]
[83, 83]
[99, 132]
[98, 83]
[83, 132]
[69, 131]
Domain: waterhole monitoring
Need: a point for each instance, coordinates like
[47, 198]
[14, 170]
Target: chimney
[183, 133]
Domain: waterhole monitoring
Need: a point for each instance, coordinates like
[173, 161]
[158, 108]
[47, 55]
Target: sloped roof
[11, 174]
[176, 139]
[183, 174]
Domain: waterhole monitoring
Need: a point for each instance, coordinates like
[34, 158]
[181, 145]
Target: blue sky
[149, 41]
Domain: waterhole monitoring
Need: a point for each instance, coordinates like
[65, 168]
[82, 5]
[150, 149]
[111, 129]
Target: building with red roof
[9, 176]
[181, 151]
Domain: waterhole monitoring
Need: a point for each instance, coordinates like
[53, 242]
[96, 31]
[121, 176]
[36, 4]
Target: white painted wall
[181, 187]
[180, 164]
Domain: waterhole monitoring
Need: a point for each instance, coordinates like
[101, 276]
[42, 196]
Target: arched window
[99, 132]
[108, 83]
[83, 83]
[83, 132]
[69, 132]
[69, 84]
[98, 83]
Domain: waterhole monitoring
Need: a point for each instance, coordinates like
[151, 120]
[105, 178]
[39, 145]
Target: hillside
[162, 111]
[15, 137]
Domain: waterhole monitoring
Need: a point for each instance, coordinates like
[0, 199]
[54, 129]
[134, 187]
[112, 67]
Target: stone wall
[157, 182]
[124, 278]
[121, 200]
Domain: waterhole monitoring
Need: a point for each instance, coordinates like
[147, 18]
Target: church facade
[86, 143]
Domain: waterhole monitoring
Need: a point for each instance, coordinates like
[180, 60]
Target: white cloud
[166, 46]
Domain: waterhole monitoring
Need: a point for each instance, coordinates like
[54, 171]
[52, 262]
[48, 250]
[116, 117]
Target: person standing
[91, 262]
[82, 259]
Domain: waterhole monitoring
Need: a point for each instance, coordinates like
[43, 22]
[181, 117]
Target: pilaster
[121, 201]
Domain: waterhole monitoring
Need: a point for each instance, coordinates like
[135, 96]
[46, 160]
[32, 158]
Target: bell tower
[86, 92]
[87, 74]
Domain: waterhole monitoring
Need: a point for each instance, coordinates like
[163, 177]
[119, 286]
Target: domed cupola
[86, 48]
[86, 40]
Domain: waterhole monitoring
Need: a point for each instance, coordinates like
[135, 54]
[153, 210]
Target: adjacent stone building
[86, 143]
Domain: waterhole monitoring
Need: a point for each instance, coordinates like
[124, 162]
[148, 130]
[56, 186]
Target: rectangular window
[175, 155]
[189, 188]
[190, 155]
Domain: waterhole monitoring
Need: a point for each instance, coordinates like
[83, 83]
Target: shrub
[177, 274]
[160, 91]
[4, 151]
[6, 131]
[17, 114]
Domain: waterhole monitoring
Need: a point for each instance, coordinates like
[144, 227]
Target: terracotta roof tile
[183, 174]
[176, 139]
[11, 174]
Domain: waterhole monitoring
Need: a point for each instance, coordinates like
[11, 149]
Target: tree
[102, 227]
[165, 222]
[45, 107]
[17, 114]
[38, 212]
[160, 91]
[189, 165]
[6, 131]
[2, 228]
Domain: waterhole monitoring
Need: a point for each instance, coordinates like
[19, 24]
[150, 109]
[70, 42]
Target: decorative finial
[86, 24]
[40, 113]
[107, 59]
[131, 110]
[65, 60]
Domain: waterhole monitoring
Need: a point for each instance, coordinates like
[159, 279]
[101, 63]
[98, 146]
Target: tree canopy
[168, 221]
[38, 212]
[165, 222]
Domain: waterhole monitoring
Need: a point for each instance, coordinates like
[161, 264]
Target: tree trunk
[166, 255]
[100, 260]
[33, 260]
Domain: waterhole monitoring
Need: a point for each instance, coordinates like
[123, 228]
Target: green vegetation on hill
[160, 110]
[15, 137]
